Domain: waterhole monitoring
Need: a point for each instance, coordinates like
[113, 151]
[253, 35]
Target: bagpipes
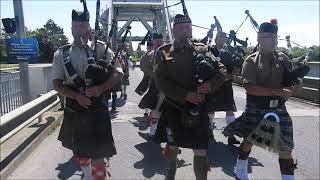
[291, 74]
[294, 75]
[98, 70]
[231, 56]
[204, 68]
[147, 37]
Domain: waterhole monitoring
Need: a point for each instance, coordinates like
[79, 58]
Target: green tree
[50, 38]
[3, 54]
[297, 51]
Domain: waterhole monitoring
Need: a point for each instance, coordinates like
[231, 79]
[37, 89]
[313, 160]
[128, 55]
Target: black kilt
[87, 133]
[150, 99]
[143, 85]
[222, 99]
[195, 137]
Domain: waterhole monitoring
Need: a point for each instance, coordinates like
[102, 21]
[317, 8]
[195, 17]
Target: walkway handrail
[21, 110]
[6, 118]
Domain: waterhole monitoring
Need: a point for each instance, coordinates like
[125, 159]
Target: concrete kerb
[5, 173]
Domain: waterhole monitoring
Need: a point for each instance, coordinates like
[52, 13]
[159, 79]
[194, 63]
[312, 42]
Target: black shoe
[179, 151]
[125, 96]
[232, 140]
[113, 109]
[211, 136]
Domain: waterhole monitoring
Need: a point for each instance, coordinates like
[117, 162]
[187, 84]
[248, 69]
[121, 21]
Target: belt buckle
[274, 103]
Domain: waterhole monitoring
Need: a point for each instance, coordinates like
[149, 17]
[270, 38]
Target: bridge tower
[144, 11]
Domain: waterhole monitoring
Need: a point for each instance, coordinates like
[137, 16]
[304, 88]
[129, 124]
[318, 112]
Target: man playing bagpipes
[146, 66]
[83, 76]
[124, 61]
[222, 99]
[266, 122]
[184, 121]
[153, 98]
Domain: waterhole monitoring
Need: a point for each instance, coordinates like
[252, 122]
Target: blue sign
[25, 50]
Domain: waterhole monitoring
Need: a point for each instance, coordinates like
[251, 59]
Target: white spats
[230, 119]
[241, 169]
[211, 117]
[287, 177]
[153, 128]
[87, 172]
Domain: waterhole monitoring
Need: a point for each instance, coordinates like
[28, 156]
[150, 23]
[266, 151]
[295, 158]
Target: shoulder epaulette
[101, 42]
[251, 56]
[284, 53]
[199, 44]
[165, 46]
[65, 46]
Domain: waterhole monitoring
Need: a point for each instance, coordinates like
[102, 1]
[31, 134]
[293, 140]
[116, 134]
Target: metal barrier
[25, 108]
[10, 92]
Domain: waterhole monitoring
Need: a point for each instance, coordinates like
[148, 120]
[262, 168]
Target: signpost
[22, 50]
[23, 65]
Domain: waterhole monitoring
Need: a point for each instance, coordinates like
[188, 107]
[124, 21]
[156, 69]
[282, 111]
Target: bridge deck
[139, 159]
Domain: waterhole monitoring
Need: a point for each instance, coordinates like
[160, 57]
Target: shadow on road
[141, 122]
[225, 156]
[40, 128]
[153, 161]
[68, 169]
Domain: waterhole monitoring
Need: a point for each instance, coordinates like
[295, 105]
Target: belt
[73, 105]
[264, 102]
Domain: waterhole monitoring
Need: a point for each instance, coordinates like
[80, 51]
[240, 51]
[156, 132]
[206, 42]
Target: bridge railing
[10, 91]
[25, 114]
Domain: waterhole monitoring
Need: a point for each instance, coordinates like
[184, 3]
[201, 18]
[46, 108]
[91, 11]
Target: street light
[9, 25]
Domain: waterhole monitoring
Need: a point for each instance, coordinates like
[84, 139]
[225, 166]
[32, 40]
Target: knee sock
[171, 156]
[287, 167]
[85, 165]
[200, 167]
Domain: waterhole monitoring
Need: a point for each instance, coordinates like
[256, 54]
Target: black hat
[179, 18]
[157, 36]
[269, 27]
[149, 43]
[82, 16]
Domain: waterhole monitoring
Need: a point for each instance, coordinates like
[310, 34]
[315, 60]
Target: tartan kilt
[195, 137]
[87, 133]
[222, 99]
[249, 120]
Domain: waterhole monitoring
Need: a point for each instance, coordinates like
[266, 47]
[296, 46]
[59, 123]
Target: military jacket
[174, 70]
[79, 60]
[265, 70]
[146, 63]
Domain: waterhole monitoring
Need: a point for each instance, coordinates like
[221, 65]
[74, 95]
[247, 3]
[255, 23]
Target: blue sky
[299, 19]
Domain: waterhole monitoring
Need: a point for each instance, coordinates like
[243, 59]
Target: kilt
[195, 137]
[150, 99]
[222, 99]
[250, 119]
[87, 133]
[143, 85]
[125, 81]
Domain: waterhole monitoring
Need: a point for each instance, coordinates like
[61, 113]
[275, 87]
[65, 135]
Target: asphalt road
[138, 158]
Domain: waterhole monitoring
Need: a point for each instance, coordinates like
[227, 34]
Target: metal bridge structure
[144, 11]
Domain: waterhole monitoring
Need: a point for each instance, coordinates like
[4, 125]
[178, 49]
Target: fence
[10, 91]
